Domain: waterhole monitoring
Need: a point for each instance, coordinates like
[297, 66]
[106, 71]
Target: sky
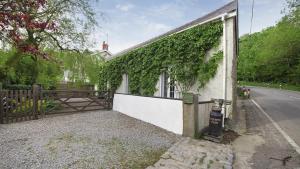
[125, 23]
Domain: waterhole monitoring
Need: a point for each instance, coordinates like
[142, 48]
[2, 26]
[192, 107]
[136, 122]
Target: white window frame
[126, 83]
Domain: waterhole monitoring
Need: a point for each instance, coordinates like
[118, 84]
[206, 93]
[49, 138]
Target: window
[126, 79]
[172, 88]
[167, 86]
[164, 85]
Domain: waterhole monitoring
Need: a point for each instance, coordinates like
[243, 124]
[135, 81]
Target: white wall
[164, 113]
[214, 88]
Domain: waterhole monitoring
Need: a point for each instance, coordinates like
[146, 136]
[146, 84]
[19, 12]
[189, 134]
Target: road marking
[284, 134]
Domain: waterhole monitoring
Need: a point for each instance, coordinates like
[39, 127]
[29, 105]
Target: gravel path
[101, 139]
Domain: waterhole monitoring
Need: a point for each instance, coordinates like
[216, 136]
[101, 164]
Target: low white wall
[164, 113]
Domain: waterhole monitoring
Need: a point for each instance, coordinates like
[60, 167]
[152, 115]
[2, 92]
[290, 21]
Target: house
[79, 69]
[105, 53]
[199, 57]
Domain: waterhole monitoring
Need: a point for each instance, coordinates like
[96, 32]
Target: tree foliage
[82, 67]
[29, 25]
[182, 55]
[28, 71]
[32, 27]
[273, 55]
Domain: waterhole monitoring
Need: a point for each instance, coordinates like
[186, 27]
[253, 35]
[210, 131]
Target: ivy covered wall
[182, 55]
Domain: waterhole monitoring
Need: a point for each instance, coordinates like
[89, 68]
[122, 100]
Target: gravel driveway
[100, 139]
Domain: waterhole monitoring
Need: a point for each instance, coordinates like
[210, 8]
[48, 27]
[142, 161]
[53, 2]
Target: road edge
[281, 131]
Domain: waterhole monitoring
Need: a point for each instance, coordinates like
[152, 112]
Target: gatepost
[190, 115]
[36, 92]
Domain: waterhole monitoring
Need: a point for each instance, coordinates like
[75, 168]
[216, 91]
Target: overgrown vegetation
[27, 71]
[271, 85]
[181, 55]
[273, 55]
[82, 68]
[29, 29]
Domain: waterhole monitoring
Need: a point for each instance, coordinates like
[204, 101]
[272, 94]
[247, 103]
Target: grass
[119, 153]
[201, 161]
[65, 141]
[125, 158]
[271, 85]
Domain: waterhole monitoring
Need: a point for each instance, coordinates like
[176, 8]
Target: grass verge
[271, 85]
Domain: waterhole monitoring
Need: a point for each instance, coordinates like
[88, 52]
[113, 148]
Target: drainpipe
[224, 66]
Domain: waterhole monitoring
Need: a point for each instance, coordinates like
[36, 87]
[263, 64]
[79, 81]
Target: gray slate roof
[230, 7]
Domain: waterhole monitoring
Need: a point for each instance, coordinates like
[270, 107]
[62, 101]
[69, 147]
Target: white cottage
[167, 113]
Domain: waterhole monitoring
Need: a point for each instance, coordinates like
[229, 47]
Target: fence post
[42, 111]
[36, 91]
[1, 105]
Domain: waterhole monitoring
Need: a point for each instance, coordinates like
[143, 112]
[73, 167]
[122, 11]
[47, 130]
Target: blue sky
[128, 22]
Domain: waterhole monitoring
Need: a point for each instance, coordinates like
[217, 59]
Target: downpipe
[224, 108]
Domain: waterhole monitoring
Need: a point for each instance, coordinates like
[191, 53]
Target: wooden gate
[21, 105]
[69, 101]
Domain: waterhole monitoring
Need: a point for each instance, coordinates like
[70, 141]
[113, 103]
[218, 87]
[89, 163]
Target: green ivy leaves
[182, 55]
[209, 69]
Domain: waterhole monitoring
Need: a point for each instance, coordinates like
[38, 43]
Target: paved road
[282, 106]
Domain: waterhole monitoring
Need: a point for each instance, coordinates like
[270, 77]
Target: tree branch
[59, 45]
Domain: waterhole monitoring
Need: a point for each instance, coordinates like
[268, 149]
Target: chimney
[104, 46]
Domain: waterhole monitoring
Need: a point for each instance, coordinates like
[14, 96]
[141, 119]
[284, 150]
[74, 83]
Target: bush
[17, 87]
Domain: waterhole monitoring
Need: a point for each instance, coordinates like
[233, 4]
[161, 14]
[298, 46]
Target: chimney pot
[104, 46]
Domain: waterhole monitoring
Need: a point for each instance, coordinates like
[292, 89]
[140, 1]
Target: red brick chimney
[104, 46]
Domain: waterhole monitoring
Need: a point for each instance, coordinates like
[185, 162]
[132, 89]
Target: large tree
[31, 25]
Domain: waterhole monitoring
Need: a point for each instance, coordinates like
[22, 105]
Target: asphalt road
[271, 146]
[282, 106]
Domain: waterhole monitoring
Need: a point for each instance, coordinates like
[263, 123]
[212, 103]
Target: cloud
[124, 33]
[131, 23]
[125, 7]
[158, 27]
[150, 27]
[167, 10]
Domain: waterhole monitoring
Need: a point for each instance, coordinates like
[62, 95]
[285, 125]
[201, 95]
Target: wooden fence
[21, 105]
[204, 109]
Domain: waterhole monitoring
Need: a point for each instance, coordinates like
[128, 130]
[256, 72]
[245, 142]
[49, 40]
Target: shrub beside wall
[17, 87]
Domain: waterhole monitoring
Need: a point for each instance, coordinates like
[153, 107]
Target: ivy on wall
[182, 55]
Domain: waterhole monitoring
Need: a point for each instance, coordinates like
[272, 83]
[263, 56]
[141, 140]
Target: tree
[7, 74]
[29, 25]
[82, 67]
[25, 71]
[273, 55]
